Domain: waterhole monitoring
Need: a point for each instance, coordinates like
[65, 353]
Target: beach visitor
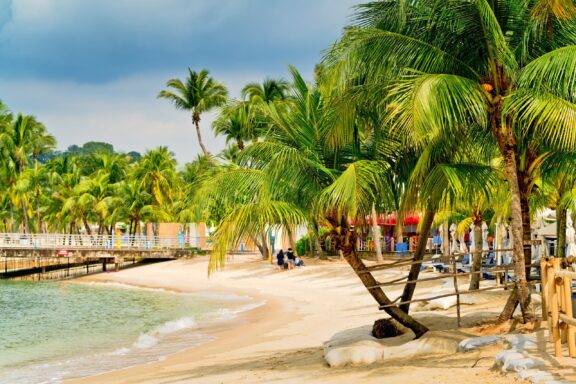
[291, 258]
[298, 262]
[280, 257]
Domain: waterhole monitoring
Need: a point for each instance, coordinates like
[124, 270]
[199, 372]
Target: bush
[303, 245]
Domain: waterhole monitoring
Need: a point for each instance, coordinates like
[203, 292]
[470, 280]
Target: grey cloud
[97, 41]
[125, 113]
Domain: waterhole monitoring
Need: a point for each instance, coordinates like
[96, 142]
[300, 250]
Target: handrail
[85, 241]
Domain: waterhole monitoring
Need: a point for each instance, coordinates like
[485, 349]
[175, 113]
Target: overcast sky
[90, 70]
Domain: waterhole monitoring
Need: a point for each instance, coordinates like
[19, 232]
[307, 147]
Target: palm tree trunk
[240, 143]
[86, 226]
[321, 254]
[520, 293]
[526, 229]
[25, 213]
[196, 122]
[418, 255]
[291, 239]
[376, 231]
[399, 230]
[264, 247]
[38, 218]
[11, 216]
[344, 241]
[561, 232]
[476, 257]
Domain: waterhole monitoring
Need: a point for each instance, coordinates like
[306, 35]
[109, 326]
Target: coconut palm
[22, 138]
[237, 121]
[269, 91]
[295, 178]
[198, 94]
[504, 67]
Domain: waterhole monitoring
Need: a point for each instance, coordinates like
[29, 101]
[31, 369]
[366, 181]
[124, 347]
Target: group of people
[290, 262]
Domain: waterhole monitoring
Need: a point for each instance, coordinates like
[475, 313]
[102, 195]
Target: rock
[384, 328]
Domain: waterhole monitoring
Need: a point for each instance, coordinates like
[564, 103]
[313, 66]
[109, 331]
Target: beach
[282, 340]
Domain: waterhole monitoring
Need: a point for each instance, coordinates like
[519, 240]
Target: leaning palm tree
[506, 67]
[295, 178]
[200, 93]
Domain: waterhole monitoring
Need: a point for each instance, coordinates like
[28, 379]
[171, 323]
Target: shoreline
[235, 336]
[282, 340]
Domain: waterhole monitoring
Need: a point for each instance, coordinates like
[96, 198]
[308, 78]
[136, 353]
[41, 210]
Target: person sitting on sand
[280, 257]
[291, 258]
[298, 262]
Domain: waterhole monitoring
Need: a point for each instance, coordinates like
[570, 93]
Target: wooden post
[571, 329]
[544, 288]
[554, 310]
[457, 291]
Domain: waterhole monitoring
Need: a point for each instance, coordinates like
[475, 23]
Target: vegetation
[461, 110]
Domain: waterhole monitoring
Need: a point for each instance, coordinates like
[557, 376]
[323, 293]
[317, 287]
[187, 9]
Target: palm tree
[504, 67]
[22, 139]
[297, 178]
[269, 91]
[157, 176]
[237, 121]
[200, 93]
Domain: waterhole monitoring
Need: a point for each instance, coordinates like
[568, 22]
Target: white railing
[64, 241]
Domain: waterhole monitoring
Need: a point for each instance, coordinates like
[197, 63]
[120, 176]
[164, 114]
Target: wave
[150, 339]
[116, 284]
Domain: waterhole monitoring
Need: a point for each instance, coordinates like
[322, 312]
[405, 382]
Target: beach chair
[465, 264]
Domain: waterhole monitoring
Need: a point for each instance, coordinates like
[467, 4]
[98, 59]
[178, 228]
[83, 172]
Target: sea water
[51, 331]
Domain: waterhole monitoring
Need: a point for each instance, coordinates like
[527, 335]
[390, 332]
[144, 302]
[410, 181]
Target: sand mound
[358, 347]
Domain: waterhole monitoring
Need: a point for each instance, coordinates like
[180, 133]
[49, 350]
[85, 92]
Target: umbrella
[453, 244]
[570, 244]
[463, 248]
[485, 246]
[510, 245]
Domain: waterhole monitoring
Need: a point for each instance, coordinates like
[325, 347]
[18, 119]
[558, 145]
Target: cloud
[101, 40]
[91, 69]
[125, 112]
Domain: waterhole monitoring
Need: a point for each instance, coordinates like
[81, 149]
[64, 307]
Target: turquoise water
[50, 331]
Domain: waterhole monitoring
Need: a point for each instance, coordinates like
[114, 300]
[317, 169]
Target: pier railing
[64, 241]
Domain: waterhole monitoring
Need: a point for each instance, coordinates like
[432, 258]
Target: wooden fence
[557, 305]
[454, 269]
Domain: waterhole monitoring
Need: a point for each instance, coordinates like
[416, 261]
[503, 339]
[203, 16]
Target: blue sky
[91, 69]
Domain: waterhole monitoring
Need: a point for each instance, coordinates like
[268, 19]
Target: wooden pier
[55, 256]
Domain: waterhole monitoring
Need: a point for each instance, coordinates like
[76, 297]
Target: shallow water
[51, 331]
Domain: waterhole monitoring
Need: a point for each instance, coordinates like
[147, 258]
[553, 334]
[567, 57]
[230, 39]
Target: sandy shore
[281, 342]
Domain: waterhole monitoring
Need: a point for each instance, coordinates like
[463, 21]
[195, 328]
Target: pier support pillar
[104, 265]
[117, 261]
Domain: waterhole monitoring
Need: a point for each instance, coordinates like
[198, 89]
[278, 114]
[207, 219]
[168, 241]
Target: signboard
[62, 252]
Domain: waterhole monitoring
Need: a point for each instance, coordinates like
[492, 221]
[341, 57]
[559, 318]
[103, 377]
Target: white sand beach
[282, 341]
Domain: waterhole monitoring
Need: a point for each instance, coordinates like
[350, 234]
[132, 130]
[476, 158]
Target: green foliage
[303, 245]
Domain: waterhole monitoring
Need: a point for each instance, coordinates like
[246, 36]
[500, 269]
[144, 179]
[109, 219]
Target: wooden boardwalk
[60, 256]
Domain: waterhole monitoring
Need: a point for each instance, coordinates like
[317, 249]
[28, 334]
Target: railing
[63, 241]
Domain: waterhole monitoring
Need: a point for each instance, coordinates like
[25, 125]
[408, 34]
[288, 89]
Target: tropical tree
[22, 138]
[294, 178]
[504, 67]
[269, 91]
[237, 121]
[157, 176]
[198, 94]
